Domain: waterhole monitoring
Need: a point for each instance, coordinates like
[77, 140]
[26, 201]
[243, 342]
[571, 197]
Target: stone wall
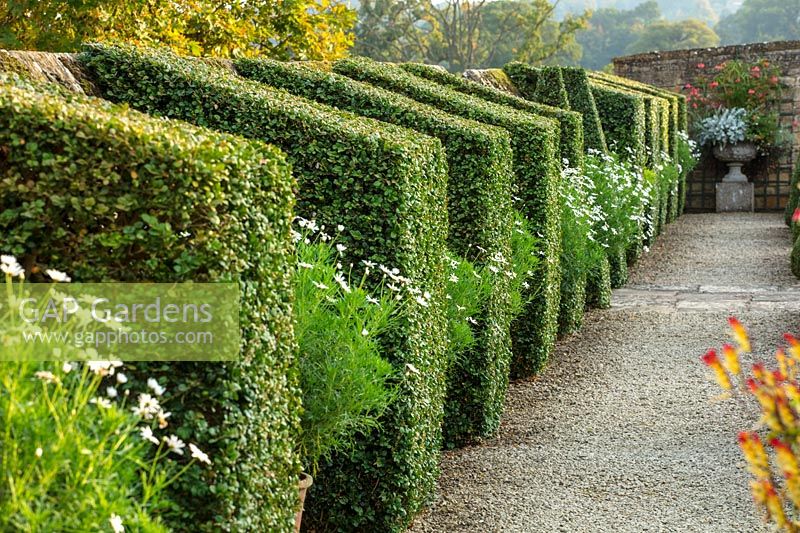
[673, 70]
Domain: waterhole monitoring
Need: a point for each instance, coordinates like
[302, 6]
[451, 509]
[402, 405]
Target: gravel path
[620, 432]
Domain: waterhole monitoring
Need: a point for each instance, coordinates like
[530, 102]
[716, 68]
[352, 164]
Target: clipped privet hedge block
[670, 127]
[387, 186]
[479, 206]
[573, 303]
[618, 265]
[525, 77]
[652, 135]
[571, 122]
[550, 88]
[82, 180]
[581, 100]
[534, 141]
[598, 284]
[622, 115]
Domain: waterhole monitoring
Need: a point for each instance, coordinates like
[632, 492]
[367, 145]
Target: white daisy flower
[175, 444]
[198, 454]
[57, 275]
[147, 434]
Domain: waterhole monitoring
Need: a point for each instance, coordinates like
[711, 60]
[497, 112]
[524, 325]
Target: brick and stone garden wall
[673, 70]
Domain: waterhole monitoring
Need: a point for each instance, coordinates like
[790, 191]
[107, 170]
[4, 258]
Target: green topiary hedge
[571, 122]
[534, 141]
[795, 258]
[479, 207]
[387, 186]
[618, 266]
[598, 285]
[550, 88]
[582, 101]
[622, 115]
[524, 77]
[82, 182]
[673, 124]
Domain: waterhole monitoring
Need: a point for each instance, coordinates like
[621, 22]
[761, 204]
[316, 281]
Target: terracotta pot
[735, 155]
[303, 484]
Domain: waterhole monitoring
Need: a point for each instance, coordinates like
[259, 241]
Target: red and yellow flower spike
[774, 505]
[730, 359]
[739, 334]
[785, 413]
[788, 464]
[712, 361]
[783, 364]
[794, 346]
[754, 454]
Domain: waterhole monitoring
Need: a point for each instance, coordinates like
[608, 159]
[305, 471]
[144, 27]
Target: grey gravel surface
[622, 432]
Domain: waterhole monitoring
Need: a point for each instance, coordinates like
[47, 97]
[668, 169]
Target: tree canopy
[761, 20]
[463, 34]
[286, 29]
[666, 35]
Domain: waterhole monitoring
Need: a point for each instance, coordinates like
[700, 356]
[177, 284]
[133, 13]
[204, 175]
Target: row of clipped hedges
[78, 179]
[479, 208]
[622, 115]
[386, 185]
[572, 136]
[468, 147]
[579, 95]
[676, 120]
[534, 141]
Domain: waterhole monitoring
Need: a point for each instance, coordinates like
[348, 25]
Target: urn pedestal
[734, 192]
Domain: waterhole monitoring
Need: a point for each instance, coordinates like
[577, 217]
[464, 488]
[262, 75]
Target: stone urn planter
[303, 484]
[735, 155]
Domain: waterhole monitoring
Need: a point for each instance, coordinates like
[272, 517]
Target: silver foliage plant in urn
[726, 130]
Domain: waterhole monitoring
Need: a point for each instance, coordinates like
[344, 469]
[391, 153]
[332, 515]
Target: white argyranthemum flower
[421, 301]
[364, 332]
[301, 264]
[148, 407]
[147, 434]
[12, 270]
[453, 278]
[368, 264]
[66, 367]
[111, 392]
[339, 228]
[198, 454]
[122, 378]
[57, 275]
[320, 286]
[8, 259]
[341, 248]
[372, 300]
[46, 376]
[116, 523]
[174, 444]
[103, 368]
[38, 452]
[101, 402]
[338, 278]
[153, 385]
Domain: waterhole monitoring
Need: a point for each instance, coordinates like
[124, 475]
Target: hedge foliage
[109, 194]
[524, 77]
[479, 207]
[386, 185]
[582, 101]
[622, 115]
[534, 141]
[794, 194]
[598, 285]
[675, 123]
[571, 123]
[550, 88]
